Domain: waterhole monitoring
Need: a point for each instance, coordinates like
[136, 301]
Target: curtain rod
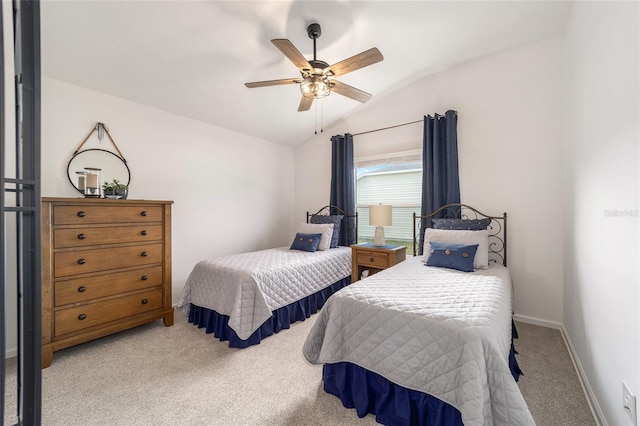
[397, 125]
[387, 128]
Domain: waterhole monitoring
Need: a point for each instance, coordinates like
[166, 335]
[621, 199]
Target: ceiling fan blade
[305, 104]
[349, 91]
[361, 60]
[273, 82]
[292, 53]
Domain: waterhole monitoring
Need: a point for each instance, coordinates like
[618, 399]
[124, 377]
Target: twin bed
[412, 344]
[246, 297]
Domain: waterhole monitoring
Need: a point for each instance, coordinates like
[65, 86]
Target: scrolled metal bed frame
[497, 228]
[350, 220]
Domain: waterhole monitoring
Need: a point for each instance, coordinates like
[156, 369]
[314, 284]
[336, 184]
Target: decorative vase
[109, 193]
[122, 193]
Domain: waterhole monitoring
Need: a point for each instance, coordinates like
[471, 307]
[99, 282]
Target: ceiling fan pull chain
[315, 114]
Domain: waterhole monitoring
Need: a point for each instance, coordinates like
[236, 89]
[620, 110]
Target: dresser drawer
[81, 317]
[105, 259]
[90, 236]
[370, 258]
[84, 289]
[79, 214]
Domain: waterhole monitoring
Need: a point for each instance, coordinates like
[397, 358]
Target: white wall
[510, 151]
[601, 250]
[232, 193]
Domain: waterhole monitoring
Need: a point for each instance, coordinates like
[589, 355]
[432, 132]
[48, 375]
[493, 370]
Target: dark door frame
[25, 205]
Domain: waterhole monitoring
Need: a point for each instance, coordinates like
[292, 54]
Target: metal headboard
[497, 228]
[349, 221]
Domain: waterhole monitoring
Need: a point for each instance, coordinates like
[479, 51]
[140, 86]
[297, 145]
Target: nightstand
[374, 258]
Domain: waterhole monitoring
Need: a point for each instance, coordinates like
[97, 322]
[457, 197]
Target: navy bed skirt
[282, 318]
[370, 393]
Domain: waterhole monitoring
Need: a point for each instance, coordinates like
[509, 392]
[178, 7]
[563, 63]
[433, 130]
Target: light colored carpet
[550, 385]
[156, 375]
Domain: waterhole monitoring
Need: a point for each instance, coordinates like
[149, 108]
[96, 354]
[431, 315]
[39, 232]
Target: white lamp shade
[380, 215]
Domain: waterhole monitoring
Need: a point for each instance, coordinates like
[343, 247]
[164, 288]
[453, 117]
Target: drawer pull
[82, 289]
[82, 316]
[143, 213]
[81, 236]
[82, 261]
[144, 232]
[371, 259]
[81, 214]
[145, 301]
[144, 278]
[143, 254]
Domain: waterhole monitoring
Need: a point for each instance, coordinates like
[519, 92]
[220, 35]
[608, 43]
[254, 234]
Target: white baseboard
[11, 353]
[586, 386]
[598, 415]
[538, 321]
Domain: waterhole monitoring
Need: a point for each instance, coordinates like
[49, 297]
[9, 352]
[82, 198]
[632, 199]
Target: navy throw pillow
[306, 242]
[462, 224]
[452, 256]
[336, 219]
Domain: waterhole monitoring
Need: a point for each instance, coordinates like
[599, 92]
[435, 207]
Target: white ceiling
[192, 58]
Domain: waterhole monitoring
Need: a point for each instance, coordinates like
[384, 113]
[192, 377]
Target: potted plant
[115, 189]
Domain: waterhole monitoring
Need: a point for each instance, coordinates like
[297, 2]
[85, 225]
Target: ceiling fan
[318, 77]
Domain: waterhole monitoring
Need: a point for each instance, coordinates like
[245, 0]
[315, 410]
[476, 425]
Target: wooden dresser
[106, 267]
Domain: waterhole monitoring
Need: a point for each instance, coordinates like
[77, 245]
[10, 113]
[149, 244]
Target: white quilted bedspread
[249, 286]
[434, 330]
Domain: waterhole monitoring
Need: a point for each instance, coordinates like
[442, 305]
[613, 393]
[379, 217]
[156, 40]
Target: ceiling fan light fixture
[315, 87]
[318, 77]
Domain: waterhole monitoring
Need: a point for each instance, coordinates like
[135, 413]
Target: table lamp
[379, 216]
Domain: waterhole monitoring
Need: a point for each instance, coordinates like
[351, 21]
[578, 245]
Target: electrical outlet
[629, 403]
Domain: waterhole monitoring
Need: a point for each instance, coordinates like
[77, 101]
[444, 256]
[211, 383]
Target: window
[394, 179]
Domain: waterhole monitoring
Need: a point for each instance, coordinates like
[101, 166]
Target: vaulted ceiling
[192, 58]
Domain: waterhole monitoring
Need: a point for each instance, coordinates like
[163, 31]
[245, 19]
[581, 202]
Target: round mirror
[112, 166]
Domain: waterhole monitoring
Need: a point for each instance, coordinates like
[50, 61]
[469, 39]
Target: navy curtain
[343, 192]
[440, 179]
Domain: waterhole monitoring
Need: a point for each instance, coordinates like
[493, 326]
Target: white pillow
[480, 260]
[326, 229]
